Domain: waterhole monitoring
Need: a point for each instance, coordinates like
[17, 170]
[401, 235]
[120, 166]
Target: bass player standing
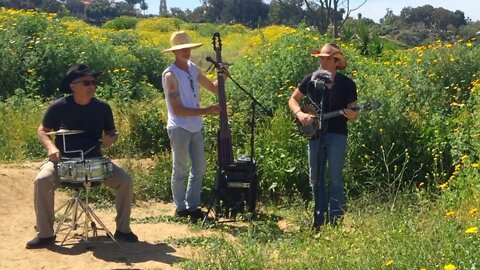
[181, 85]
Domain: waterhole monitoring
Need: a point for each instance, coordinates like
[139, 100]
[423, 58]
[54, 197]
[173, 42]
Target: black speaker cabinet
[238, 186]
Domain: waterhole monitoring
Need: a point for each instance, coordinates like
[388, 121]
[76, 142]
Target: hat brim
[183, 46]
[342, 63]
[67, 80]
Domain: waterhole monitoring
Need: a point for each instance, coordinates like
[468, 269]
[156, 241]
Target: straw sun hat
[180, 40]
[334, 51]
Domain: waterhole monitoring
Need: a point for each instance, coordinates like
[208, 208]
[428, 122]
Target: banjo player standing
[330, 91]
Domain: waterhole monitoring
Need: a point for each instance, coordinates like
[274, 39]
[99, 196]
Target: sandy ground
[17, 220]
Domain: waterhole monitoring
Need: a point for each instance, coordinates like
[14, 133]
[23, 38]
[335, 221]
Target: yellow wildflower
[389, 263]
[450, 213]
[472, 230]
[443, 186]
[473, 211]
[449, 267]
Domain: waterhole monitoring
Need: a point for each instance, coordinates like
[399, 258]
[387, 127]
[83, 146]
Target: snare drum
[79, 171]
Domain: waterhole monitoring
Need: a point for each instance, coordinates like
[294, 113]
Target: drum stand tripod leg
[71, 208]
[76, 207]
[90, 216]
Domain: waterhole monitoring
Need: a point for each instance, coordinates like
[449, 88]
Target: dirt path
[17, 220]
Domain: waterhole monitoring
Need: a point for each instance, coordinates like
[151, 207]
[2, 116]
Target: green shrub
[121, 23]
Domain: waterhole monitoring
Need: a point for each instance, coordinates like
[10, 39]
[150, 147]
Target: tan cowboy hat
[180, 40]
[334, 51]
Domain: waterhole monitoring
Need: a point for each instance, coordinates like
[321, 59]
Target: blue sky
[373, 9]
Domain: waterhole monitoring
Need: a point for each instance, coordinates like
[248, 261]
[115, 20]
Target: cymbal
[65, 132]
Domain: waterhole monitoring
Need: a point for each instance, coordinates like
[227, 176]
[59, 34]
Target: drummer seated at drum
[85, 124]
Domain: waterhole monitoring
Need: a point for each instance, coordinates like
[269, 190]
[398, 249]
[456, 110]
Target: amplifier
[238, 185]
[239, 175]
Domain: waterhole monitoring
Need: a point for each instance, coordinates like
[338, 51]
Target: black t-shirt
[342, 93]
[93, 119]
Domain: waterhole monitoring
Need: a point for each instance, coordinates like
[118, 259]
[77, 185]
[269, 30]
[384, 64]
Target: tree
[197, 15]
[52, 6]
[287, 12]
[333, 11]
[247, 12]
[133, 2]
[213, 10]
[25, 4]
[100, 10]
[124, 9]
[76, 7]
[430, 17]
[419, 14]
[322, 13]
[144, 6]
[178, 13]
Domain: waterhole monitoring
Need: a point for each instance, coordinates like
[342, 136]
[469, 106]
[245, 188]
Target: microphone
[322, 74]
[320, 77]
[215, 63]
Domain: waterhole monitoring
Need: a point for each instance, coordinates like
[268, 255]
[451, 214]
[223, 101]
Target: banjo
[311, 129]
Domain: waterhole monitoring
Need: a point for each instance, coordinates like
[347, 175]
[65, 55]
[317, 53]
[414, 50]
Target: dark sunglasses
[86, 82]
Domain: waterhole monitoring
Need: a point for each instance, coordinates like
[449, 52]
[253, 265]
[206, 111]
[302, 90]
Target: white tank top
[189, 94]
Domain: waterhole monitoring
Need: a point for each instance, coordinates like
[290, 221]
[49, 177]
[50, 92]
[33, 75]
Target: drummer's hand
[305, 118]
[53, 154]
[109, 139]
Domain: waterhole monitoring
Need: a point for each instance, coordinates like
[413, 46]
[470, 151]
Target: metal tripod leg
[212, 202]
[71, 209]
[76, 207]
[88, 220]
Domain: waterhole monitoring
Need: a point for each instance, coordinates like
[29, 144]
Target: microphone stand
[317, 214]
[251, 168]
[254, 102]
[320, 107]
[320, 115]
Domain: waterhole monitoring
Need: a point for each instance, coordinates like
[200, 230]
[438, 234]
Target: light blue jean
[330, 149]
[187, 145]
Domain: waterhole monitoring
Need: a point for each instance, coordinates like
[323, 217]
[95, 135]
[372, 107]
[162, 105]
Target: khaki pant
[47, 181]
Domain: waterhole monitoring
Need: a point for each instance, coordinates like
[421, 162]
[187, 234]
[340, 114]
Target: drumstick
[88, 151]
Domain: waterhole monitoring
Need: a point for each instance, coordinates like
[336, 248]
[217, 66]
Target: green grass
[415, 233]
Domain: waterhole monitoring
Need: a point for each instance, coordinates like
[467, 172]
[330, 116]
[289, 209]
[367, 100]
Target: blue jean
[329, 148]
[187, 145]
